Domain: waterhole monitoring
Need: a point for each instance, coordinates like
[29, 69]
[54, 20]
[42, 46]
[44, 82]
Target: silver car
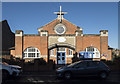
[84, 68]
[9, 70]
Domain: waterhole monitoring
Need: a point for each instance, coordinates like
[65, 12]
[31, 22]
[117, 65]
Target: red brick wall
[18, 46]
[39, 42]
[69, 60]
[99, 42]
[31, 41]
[104, 44]
[44, 45]
[70, 27]
[83, 42]
[79, 43]
[93, 41]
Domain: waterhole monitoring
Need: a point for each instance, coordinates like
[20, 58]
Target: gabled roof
[70, 28]
[58, 19]
[47, 24]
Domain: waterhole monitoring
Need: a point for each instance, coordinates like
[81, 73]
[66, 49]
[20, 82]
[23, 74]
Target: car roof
[91, 60]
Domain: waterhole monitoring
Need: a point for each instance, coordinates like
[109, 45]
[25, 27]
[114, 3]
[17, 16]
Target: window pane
[44, 35]
[37, 51]
[63, 58]
[25, 50]
[25, 54]
[63, 54]
[90, 49]
[38, 54]
[60, 29]
[58, 54]
[52, 52]
[31, 54]
[61, 49]
[70, 52]
[31, 49]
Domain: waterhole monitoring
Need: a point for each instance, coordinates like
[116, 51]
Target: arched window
[31, 52]
[96, 53]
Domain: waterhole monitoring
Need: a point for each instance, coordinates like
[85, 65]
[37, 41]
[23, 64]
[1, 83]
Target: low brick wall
[38, 67]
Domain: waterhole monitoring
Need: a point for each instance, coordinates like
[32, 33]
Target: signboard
[103, 56]
[85, 55]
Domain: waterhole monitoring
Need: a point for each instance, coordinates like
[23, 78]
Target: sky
[91, 16]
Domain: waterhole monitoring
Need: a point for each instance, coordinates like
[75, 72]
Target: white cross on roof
[60, 13]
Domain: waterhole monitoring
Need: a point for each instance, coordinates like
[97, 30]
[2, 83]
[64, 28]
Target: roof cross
[60, 14]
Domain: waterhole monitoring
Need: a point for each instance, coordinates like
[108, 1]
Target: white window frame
[27, 52]
[52, 52]
[44, 34]
[69, 52]
[60, 50]
[60, 25]
[94, 52]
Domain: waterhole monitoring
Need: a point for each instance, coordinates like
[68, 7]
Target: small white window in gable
[44, 34]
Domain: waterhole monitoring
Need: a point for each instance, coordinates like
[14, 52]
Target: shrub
[40, 61]
[75, 59]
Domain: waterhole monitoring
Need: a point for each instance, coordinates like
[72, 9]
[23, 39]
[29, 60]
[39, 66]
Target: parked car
[9, 70]
[84, 68]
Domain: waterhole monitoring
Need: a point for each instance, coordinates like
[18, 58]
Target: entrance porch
[61, 55]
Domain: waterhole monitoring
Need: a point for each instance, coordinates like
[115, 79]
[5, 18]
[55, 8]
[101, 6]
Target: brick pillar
[18, 43]
[79, 40]
[104, 42]
[55, 53]
[44, 44]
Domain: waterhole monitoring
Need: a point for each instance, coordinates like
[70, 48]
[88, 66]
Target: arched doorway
[62, 53]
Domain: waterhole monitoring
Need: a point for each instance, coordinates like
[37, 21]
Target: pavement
[50, 78]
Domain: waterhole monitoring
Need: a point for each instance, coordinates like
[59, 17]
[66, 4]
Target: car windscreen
[73, 64]
[93, 63]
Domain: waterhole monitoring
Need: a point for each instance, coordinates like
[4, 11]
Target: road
[50, 78]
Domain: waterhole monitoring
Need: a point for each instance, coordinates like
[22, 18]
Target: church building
[59, 40]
